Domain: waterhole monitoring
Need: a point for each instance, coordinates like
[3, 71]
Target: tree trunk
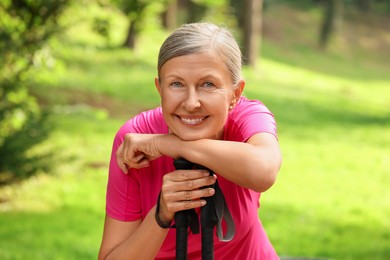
[131, 36]
[169, 16]
[195, 11]
[364, 5]
[252, 30]
[331, 22]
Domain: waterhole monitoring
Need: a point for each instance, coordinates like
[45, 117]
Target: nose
[192, 101]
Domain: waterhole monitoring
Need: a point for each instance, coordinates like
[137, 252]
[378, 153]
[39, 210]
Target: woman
[205, 119]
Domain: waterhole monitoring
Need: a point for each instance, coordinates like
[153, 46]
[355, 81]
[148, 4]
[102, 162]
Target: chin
[196, 136]
[190, 137]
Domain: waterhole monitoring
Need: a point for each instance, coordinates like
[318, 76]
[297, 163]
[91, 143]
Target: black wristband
[156, 216]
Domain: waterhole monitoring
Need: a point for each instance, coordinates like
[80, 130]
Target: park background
[63, 97]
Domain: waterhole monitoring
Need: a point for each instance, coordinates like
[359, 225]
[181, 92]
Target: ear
[239, 89]
[157, 84]
[237, 92]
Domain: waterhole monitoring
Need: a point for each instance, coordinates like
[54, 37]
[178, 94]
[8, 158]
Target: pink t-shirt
[131, 196]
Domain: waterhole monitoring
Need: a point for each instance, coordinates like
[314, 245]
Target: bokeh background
[72, 72]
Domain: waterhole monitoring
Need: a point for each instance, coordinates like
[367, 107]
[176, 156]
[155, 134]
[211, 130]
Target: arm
[180, 190]
[129, 238]
[253, 164]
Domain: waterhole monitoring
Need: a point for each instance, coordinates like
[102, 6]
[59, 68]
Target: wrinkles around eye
[176, 84]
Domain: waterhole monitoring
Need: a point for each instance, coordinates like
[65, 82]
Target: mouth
[192, 120]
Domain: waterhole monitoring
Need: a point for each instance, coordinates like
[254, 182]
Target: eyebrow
[207, 76]
[174, 76]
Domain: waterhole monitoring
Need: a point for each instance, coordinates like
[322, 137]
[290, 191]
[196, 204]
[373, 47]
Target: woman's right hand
[182, 190]
[137, 150]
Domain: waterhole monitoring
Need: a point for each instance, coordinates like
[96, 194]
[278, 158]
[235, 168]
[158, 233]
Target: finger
[124, 168]
[122, 165]
[143, 163]
[183, 205]
[193, 194]
[127, 153]
[119, 160]
[139, 157]
[197, 183]
[183, 175]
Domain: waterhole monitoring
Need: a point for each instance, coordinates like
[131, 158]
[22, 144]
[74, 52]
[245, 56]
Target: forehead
[207, 61]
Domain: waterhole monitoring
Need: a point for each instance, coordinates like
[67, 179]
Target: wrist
[162, 222]
[172, 145]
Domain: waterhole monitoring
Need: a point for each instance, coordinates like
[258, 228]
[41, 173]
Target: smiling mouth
[192, 121]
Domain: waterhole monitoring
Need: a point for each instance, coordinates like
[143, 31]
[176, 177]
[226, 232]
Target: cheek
[220, 116]
[167, 100]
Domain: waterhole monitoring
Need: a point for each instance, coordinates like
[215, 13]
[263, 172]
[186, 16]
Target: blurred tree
[25, 27]
[332, 18]
[364, 5]
[102, 26]
[252, 26]
[196, 11]
[134, 10]
[249, 15]
[169, 15]
[217, 11]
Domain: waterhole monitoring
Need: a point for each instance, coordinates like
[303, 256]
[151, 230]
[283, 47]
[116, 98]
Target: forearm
[245, 164]
[148, 233]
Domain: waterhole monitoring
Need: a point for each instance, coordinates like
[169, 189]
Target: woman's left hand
[137, 150]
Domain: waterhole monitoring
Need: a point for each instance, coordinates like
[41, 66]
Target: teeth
[192, 121]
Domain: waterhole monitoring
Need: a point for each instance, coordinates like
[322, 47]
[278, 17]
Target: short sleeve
[123, 195]
[248, 118]
[123, 198]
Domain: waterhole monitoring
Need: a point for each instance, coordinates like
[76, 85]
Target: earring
[232, 104]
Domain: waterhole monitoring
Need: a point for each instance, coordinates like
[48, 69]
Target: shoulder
[147, 122]
[245, 106]
[248, 118]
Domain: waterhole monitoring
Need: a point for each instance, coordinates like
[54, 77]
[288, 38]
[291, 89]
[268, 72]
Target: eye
[208, 85]
[176, 84]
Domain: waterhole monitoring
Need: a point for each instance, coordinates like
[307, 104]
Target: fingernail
[211, 191]
[206, 173]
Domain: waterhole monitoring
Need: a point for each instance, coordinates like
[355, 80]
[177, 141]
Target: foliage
[219, 12]
[136, 11]
[102, 26]
[18, 161]
[25, 27]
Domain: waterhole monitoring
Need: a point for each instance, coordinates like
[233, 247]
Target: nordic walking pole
[182, 218]
[208, 220]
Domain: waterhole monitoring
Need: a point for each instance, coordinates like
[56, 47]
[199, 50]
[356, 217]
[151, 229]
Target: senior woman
[205, 119]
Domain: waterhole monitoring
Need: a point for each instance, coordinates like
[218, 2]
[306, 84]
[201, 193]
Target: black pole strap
[223, 212]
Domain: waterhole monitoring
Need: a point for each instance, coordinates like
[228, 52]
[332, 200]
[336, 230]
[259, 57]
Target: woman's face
[196, 92]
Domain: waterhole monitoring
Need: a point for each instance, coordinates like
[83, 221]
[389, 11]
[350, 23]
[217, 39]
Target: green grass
[55, 218]
[331, 197]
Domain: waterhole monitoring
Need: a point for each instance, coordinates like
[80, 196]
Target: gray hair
[199, 37]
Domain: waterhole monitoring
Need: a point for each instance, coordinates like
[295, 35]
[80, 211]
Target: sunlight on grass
[332, 180]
